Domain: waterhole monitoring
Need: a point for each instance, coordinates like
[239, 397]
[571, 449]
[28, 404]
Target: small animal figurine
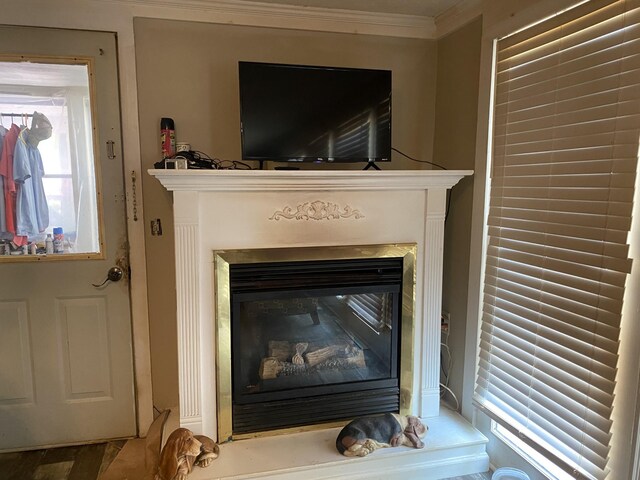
[183, 450]
[366, 434]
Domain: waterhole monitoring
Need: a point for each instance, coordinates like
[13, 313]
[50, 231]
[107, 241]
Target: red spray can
[167, 137]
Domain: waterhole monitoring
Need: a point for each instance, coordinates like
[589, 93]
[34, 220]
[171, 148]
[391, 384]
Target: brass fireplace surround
[224, 258]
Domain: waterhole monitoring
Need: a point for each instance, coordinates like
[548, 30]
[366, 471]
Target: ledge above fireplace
[327, 180]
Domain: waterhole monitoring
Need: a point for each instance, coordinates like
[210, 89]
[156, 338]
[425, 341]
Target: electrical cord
[222, 164]
[200, 160]
[197, 160]
[416, 160]
[232, 165]
[444, 387]
[446, 371]
[446, 216]
[447, 389]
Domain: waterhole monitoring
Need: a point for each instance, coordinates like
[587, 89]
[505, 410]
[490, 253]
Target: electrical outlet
[156, 227]
[445, 321]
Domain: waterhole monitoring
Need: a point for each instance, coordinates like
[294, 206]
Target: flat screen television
[301, 113]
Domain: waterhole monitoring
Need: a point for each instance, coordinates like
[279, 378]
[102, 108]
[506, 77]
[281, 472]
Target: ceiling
[422, 8]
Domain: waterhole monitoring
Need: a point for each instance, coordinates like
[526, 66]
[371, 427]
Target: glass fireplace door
[305, 351]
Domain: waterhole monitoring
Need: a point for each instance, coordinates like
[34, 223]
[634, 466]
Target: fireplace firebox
[315, 340]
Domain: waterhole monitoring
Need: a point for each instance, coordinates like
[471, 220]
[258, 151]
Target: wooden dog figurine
[366, 434]
[183, 450]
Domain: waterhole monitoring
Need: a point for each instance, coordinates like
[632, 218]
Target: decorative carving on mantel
[317, 210]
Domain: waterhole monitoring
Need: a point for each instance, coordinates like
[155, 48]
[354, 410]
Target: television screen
[318, 114]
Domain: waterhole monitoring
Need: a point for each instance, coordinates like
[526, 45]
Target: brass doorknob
[113, 275]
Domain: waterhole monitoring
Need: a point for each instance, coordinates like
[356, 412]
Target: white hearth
[236, 209]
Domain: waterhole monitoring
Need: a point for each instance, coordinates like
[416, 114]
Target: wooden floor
[84, 462]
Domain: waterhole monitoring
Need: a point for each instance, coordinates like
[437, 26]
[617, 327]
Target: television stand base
[371, 165]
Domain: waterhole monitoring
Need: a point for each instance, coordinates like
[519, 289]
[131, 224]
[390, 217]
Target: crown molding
[457, 16]
[284, 16]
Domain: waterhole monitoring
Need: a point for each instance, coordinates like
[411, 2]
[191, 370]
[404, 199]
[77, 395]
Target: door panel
[84, 346]
[66, 367]
[16, 386]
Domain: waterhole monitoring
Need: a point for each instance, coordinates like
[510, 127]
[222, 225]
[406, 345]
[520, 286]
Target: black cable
[446, 215]
[232, 165]
[223, 164]
[416, 160]
[200, 154]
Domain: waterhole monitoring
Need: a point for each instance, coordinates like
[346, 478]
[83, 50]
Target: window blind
[564, 156]
[375, 309]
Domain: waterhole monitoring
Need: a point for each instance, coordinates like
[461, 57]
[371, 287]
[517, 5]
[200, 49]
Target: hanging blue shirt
[4, 235]
[32, 211]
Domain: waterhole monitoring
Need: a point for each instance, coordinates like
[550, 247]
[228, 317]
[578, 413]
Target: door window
[49, 192]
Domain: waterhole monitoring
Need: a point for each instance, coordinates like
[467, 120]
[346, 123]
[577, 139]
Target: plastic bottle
[167, 137]
[48, 244]
[58, 240]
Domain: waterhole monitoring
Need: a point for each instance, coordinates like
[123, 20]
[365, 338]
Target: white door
[66, 367]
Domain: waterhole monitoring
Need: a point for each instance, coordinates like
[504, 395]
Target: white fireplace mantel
[243, 209]
[257, 209]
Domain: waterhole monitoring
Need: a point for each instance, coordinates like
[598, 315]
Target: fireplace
[226, 218]
[315, 335]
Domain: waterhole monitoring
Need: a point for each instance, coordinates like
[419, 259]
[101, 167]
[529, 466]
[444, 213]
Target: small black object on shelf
[371, 165]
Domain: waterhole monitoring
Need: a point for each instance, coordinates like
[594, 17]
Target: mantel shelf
[283, 180]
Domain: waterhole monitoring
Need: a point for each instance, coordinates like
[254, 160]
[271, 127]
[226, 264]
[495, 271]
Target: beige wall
[454, 148]
[188, 71]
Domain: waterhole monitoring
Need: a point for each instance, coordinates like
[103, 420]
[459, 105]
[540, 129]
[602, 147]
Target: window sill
[543, 465]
